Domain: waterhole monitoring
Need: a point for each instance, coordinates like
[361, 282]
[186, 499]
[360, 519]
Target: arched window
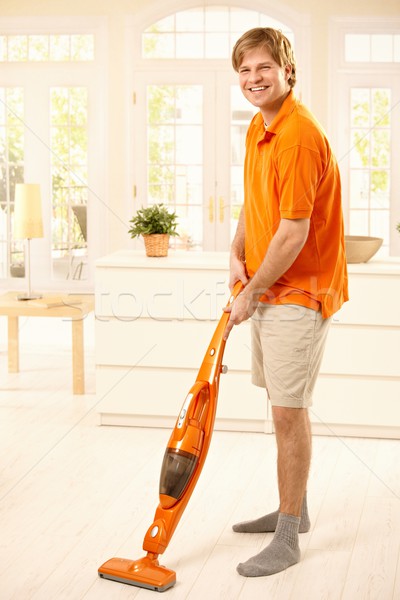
[203, 32]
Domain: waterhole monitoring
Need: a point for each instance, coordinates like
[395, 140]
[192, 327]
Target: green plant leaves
[153, 219]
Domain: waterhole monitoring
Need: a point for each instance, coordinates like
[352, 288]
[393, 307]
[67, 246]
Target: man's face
[263, 82]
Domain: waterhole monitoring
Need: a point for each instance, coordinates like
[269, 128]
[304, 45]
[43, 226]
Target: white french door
[59, 149]
[189, 130]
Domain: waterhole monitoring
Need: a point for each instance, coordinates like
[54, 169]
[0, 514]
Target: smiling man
[288, 252]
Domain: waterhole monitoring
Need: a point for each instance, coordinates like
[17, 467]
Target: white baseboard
[131, 420]
[255, 426]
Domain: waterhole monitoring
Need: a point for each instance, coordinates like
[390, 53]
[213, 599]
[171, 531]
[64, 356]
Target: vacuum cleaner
[183, 461]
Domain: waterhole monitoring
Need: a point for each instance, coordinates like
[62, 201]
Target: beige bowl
[360, 248]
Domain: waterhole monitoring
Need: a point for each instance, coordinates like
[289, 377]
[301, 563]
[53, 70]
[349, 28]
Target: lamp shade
[27, 211]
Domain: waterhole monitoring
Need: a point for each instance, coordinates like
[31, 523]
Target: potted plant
[155, 224]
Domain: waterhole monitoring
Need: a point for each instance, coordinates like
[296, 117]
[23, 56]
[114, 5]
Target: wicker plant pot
[156, 244]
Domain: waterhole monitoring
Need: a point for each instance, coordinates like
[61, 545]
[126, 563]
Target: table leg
[13, 345]
[78, 368]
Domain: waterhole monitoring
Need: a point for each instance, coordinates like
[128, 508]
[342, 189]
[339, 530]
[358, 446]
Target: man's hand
[237, 272]
[283, 250]
[240, 310]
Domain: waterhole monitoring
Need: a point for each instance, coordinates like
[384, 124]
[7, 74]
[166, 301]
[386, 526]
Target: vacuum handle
[213, 358]
[217, 340]
[237, 288]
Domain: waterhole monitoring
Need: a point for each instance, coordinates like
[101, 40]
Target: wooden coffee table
[75, 307]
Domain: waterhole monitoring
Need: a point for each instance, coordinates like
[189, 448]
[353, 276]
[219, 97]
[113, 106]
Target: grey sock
[269, 522]
[282, 552]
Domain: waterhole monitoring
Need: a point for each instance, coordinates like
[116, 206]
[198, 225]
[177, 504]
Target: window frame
[343, 76]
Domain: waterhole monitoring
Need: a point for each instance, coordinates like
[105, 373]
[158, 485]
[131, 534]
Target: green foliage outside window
[371, 136]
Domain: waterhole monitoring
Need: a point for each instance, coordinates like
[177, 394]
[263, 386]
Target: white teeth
[257, 89]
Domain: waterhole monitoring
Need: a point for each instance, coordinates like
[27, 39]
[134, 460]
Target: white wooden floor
[73, 494]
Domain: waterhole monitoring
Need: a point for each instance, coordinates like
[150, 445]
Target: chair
[80, 212]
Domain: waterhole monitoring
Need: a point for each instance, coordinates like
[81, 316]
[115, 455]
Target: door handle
[211, 209]
[221, 209]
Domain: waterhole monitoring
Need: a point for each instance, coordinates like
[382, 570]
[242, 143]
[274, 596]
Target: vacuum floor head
[145, 572]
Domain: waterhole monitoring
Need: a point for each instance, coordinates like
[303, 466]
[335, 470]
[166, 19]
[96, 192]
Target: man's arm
[283, 250]
[237, 257]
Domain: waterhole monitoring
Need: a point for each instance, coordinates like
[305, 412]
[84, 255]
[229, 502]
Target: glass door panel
[241, 114]
[189, 152]
[12, 258]
[175, 156]
[69, 171]
[369, 193]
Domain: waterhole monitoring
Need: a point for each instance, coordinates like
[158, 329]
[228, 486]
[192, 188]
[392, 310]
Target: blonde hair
[274, 40]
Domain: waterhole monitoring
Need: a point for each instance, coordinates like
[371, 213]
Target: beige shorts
[288, 343]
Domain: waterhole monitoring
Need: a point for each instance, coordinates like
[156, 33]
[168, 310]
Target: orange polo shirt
[291, 173]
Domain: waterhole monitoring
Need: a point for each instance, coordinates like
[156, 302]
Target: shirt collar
[278, 121]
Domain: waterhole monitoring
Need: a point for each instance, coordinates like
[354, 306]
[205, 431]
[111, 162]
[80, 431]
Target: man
[288, 252]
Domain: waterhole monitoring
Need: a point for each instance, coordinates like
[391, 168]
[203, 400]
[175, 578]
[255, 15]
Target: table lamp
[28, 223]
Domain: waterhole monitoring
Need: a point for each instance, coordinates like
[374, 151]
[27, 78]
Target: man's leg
[268, 523]
[287, 344]
[293, 436]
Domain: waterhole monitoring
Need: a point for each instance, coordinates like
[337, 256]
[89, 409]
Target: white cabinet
[154, 320]
[358, 390]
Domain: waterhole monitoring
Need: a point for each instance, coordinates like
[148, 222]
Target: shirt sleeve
[299, 174]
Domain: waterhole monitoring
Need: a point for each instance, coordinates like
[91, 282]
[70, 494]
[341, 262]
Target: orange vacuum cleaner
[183, 461]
